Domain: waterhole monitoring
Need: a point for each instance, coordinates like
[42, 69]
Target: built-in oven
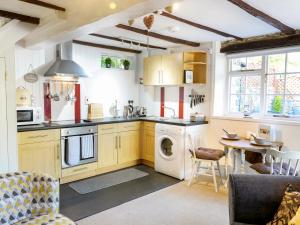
[29, 115]
[79, 145]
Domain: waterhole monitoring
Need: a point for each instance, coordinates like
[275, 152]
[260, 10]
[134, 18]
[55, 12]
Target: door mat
[107, 180]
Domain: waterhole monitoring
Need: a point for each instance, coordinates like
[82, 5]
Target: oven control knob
[68, 132]
[90, 130]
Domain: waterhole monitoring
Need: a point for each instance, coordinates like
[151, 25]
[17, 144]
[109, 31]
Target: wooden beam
[158, 36]
[44, 4]
[106, 47]
[197, 25]
[127, 41]
[261, 43]
[21, 17]
[263, 16]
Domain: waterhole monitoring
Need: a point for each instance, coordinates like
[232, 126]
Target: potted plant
[126, 64]
[107, 62]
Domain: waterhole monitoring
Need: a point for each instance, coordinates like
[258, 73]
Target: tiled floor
[76, 206]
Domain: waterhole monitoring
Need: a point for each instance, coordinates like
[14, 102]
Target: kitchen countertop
[108, 120]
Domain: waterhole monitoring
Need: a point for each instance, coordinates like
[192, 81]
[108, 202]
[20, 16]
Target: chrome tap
[173, 110]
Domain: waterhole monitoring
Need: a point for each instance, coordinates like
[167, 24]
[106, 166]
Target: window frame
[263, 72]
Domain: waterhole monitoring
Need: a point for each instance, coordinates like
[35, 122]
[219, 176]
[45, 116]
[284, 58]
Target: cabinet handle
[116, 144]
[38, 136]
[119, 141]
[58, 151]
[80, 169]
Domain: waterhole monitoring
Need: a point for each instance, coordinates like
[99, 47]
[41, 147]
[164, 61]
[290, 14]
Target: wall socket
[86, 100]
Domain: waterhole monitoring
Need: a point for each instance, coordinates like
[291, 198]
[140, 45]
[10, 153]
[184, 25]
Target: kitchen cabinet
[118, 143]
[164, 69]
[196, 62]
[148, 141]
[39, 151]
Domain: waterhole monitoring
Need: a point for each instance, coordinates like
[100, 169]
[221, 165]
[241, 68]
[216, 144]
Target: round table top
[242, 144]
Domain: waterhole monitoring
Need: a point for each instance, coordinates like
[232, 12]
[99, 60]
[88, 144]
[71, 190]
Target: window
[268, 84]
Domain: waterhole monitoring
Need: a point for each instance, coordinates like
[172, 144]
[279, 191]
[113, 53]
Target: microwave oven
[29, 115]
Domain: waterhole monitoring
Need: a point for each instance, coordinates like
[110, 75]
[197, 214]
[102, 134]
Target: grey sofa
[254, 199]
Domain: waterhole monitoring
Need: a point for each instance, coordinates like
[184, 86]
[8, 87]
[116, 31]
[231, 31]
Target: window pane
[275, 104]
[237, 85]
[238, 64]
[293, 84]
[252, 84]
[253, 103]
[276, 63]
[293, 63]
[275, 84]
[254, 63]
[249, 63]
[292, 105]
[237, 103]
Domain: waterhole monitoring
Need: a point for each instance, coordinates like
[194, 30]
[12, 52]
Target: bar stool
[208, 156]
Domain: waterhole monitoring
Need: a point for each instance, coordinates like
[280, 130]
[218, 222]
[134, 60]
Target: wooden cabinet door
[148, 145]
[42, 157]
[128, 146]
[153, 70]
[107, 150]
[172, 67]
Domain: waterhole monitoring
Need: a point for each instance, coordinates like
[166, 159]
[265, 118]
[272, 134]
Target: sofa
[30, 199]
[254, 199]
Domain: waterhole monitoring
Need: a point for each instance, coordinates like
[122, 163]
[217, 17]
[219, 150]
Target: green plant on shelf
[108, 62]
[126, 64]
[277, 106]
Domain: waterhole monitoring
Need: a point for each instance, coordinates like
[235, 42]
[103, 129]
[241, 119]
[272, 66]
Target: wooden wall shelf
[196, 62]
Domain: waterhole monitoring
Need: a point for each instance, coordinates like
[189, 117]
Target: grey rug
[107, 180]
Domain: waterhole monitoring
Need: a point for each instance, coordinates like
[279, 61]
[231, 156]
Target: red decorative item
[148, 21]
[47, 102]
[77, 103]
[162, 101]
[181, 102]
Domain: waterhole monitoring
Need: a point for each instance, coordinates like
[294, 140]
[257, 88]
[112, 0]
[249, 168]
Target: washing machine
[170, 150]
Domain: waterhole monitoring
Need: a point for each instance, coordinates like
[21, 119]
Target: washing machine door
[167, 148]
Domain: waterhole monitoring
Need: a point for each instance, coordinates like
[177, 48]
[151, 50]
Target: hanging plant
[107, 62]
[126, 64]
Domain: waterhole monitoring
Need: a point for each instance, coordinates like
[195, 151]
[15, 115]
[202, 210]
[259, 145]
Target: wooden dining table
[237, 148]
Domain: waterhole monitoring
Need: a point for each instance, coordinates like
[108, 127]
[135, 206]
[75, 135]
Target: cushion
[288, 207]
[209, 154]
[265, 168]
[50, 219]
[296, 219]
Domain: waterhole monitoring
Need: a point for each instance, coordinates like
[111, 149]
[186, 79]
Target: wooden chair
[279, 163]
[200, 155]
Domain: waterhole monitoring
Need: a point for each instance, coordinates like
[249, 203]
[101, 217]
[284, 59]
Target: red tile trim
[181, 102]
[162, 101]
[77, 103]
[47, 102]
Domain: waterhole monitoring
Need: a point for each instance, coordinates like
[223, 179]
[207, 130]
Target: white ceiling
[219, 14]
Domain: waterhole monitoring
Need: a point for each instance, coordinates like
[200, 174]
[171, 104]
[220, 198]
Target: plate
[266, 144]
[231, 139]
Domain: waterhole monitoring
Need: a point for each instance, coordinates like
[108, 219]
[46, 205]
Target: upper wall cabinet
[169, 69]
[163, 70]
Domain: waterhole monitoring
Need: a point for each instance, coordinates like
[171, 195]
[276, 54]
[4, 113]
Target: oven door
[25, 116]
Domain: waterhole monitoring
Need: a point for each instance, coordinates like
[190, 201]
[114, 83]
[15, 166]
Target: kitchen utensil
[259, 140]
[230, 135]
[225, 137]
[125, 111]
[68, 97]
[55, 96]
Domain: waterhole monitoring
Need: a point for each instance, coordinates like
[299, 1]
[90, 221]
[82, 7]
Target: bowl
[260, 140]
[231, 135]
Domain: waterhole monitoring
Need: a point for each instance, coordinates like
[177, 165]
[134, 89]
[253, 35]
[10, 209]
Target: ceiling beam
[127, 41]
[261, 43]
[263, 16]
[44, 4]
[197, 25]
[21, 17]
[158, 36]
[107, 47]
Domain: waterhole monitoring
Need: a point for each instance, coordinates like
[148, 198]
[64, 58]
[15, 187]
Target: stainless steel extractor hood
[64, 66]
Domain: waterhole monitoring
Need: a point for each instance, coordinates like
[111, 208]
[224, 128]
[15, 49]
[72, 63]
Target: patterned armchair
[30, 199]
